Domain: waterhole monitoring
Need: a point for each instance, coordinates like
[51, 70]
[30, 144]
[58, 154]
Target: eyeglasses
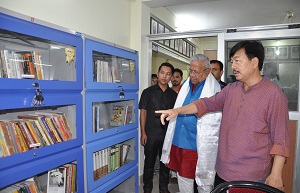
[195, 72]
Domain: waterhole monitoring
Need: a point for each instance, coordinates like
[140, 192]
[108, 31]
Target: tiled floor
[173, 187]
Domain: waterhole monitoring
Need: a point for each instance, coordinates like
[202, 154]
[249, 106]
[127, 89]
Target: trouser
[153, 148]
[186, 185]
[218, 180]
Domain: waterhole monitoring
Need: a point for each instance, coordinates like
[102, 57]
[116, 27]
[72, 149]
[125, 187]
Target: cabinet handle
[121, 94]
[38, 98]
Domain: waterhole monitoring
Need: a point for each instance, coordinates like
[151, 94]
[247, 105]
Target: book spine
[3, 146]
[40, 132]
[38, 66]
[16, 137]
[25, 134]
[40, 137]
[45, 129]
[8, 64]
[57, 129]
[17, 65]
[12, 137]
[50, 134]
[95, 165]
[7, 138]
[61, 125]
[33, 134]
[20, 136]
[55, 134]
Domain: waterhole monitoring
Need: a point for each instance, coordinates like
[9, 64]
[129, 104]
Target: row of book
[21, 65]
[104, 72]
[109, 159]
[121, 114]
[58, 180]
[32, 131]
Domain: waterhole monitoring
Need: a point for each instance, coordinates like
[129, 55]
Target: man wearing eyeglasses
[180, 151]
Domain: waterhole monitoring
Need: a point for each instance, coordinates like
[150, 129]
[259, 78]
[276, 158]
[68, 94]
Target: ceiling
[218, 14]
[163, 3]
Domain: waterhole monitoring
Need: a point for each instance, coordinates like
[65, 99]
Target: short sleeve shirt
[154, 98]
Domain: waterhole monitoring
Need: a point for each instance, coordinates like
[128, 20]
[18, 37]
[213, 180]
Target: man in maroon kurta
[254, 136]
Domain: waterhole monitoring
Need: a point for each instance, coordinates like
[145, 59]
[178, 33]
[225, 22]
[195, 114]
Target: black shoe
[173, 181]
[164, 191]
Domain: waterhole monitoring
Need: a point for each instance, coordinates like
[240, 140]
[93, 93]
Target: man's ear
[255, 62]
[221, 72]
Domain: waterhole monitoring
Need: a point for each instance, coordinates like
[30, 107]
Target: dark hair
[154, 76]
[231, 78]
[218, 62]
[178, 70]
[252, 49]
[167, 65]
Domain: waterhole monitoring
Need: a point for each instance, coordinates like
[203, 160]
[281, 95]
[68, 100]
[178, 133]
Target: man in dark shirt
[216, 68]
[159, 96]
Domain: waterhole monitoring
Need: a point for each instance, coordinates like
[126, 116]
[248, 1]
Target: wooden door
[288, 168]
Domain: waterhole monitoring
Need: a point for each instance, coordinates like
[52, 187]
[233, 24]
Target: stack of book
[33, 130]
[104, 71]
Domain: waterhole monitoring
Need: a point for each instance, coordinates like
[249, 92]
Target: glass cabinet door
[109, 158]
[36, 53]
[29, 57]
[112, 114]
[109, 67]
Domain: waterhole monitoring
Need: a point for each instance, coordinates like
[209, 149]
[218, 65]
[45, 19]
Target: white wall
[107, 20]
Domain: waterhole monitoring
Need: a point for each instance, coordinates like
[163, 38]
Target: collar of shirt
[255, 85]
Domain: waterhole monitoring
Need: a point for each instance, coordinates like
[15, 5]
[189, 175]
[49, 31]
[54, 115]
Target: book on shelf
[25, 186]
[7, 64]
[34, 133]
[70, 177]
[40, 126]
[28, 66]
[128, 115]
[124, 153]
[97, 127]
[57, 180]
[22, 146]
[3, 146]
[95, 166]
[63, 121]
[31, 131]
[115, 76]
[36, 58]
[104, 71]
[8, 137]
[38, 184]
[28, 138]
[109, 159]
[18, 60]
[58, 125]
[118, 114]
